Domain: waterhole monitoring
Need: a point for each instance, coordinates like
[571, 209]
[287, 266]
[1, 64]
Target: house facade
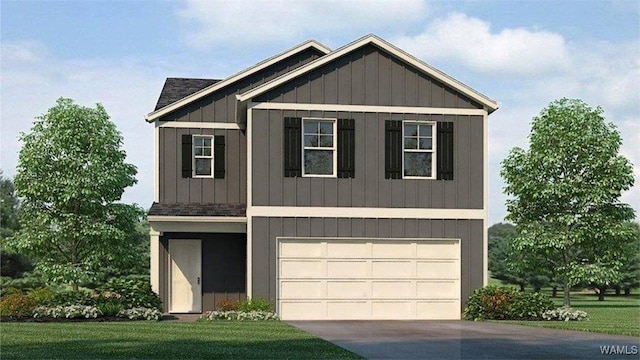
[344, 184]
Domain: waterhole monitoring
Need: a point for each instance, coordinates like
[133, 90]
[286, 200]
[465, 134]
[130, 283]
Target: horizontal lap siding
[368, 76]
[266, 230]
[220, 105]
[176, 189]
[368, 188]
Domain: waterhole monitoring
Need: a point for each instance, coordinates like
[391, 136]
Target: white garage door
[337, 279]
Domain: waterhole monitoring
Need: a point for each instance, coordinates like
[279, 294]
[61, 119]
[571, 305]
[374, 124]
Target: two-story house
[344, 184]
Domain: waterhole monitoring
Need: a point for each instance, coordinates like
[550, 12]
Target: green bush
[135, 292]
[71, 297]
[42, 296]
[109, 308]
[255, 304]
[17, 305]
[506, 303]
[28, 281]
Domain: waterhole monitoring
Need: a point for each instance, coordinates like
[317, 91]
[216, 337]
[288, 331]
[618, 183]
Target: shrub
[66, 312]
[17, 305]
[28, 281]
[109, 308]
[505, 303]
[42, 296]
[565, 313]
[141, 314]
[256, 304]
[135, 292]
[227, 305]
[71, 297]
[238, 315]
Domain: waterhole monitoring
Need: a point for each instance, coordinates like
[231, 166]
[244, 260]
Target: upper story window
[319, 151]
[203, 156]
[418, 149]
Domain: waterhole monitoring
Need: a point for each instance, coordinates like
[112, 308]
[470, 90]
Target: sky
[524, 54]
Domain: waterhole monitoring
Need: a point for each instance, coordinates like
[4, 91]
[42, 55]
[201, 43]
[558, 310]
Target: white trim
[200, 227]
[368, 108]
[197, 219]
[156, 170]
[433, 153]
[242, 74]
[372, 39]
[485, 200]
[154, 260]
[194, 156]
[333, 148]
[198, 125]
[364, 212]
[249, 281]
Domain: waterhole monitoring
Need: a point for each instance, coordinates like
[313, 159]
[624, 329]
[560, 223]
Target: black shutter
[218, 157]
[186, 156]
[292, 147]
[393, 149]
[346, 148]
[445, 150]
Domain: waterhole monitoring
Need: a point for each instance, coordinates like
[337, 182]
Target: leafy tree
[630, 270]
[565, 193]
[70, 175]
[12, 264]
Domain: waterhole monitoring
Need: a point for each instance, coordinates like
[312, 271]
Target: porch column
[154, 268]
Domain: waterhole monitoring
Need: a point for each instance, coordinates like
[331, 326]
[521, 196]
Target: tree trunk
[567, 296]
[618, 290]
[536, 288]
[554, 291]
[627, 291]
[521, 287]
[75, 286]
[601, 291]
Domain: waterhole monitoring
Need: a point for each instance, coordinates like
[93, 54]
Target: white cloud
[32, 79]
[278, 21]
[471, 42]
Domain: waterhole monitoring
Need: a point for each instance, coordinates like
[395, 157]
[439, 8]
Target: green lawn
[615, 315]
[162, 340]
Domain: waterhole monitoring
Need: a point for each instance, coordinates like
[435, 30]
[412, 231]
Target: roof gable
[396, 53]
[175, 89]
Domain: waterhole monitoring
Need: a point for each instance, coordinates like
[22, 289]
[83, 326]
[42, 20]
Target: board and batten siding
[176, 189]
[265, 231]
[368, 188]
[221, 105]
[368, 76]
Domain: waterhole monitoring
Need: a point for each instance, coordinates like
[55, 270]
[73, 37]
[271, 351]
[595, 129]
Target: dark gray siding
[224, 267]
[368, 76]
[369, 188]
[265, 230]
[176, 189]
[220, 106]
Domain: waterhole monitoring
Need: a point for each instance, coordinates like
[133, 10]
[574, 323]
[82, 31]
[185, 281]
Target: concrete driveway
[467, 340]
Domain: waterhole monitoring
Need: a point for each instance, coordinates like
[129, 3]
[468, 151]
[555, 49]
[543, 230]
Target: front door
[185, 295]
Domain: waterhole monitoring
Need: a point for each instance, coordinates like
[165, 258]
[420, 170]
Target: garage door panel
[447, 269]
[438, 250]
[348, 249]
[301, 289]
[347, 269]
[392, 310]
[438, 289]
[301, 268]
[300, 249]
[438, 310]
[348, 289]
[303, 310]
[395, 249]
[348, 310]
[393, 269]
[392, 289]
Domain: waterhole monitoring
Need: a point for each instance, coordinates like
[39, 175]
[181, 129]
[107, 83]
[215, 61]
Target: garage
[368, 279]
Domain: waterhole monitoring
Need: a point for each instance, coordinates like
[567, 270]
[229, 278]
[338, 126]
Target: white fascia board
[242, 74]
[369, 108]
[490, 104]
[198, 125]
[364, 212]
[197, 219]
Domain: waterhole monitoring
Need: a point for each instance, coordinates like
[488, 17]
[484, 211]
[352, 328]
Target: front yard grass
[163, 340]
[615, 315]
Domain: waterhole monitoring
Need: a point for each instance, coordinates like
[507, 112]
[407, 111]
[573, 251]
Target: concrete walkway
[467, 340]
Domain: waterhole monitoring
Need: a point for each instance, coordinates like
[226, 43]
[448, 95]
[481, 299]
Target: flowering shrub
[66, 312]
[565, 313]
[505, 303]
[227, 305]
[17, 305]
[134, 292]
[140, 313]
[239, 315]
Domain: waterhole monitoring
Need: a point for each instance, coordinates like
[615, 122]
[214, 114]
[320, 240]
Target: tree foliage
[70, 177]
[12, 264]
[565, 192]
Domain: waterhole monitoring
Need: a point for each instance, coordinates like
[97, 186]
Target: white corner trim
[198, 125]
[371, 39]
[242, 74]
[368, 108]
[197, 219]
[249, 281]
[364, 212]
[485, 200]
[156, 170]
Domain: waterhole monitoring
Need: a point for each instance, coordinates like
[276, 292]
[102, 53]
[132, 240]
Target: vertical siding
[368, 76]
[176, 189]
[267, 230]
[368, 188]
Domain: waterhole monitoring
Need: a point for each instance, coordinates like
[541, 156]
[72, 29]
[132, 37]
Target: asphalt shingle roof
[184, 209]
[175, 89]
